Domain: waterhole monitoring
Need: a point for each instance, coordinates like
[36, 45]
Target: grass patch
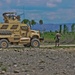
[1, 63]
[65, 38]
[4, 69]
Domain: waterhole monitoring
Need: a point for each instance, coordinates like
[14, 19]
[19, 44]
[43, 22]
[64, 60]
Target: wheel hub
[4, 44]
[35, 43]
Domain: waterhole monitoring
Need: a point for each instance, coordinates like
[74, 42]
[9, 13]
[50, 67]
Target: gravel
[37, 61]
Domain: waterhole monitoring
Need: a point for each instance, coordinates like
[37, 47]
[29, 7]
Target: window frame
[14, 27]
[25, 28]
[4, 27]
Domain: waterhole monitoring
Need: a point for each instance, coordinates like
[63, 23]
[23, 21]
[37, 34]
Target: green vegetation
[73, 28]
[30, 23]
[66, 35]
[41, 22]
[49, 36]
[67, 38]
[4, 69]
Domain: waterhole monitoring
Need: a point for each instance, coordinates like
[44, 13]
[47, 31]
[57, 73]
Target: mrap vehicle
[13, 32]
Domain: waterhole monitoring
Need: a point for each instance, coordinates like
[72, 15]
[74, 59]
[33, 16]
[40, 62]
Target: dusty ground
[37, 61]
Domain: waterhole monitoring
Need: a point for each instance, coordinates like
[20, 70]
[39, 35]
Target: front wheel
[35, 43]
[3, 43]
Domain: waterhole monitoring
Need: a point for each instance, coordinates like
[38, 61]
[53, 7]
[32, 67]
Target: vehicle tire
[35, 43]
[4, 43]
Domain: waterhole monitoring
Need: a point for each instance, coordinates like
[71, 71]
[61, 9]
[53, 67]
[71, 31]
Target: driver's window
[24, 28]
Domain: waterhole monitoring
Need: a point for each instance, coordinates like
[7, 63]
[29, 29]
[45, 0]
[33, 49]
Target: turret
[11, 17]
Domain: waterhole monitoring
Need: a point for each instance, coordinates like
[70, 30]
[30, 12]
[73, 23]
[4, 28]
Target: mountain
[50, 27]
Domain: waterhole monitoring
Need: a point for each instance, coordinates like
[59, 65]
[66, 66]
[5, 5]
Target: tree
[73, 28]
[65, 29]
[41, 22]
[43, 28]
[30, 23]
[33, 22]
[60, 30]
[26, 21]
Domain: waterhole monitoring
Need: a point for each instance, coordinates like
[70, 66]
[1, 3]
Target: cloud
[49, 3]
[8, 1]
[53, 3]
[29, 2]
[0, 4]
[60, 15]
[49, 10]
[34, 16]
[59, 1]
[52, 15]
[67, 14]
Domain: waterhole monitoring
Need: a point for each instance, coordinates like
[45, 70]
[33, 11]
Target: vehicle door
[24, 31]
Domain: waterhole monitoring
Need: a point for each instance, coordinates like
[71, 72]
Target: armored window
[4, 27]
[24, 28]
[14, 27]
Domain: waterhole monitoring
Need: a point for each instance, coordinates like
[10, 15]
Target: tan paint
[18, 35]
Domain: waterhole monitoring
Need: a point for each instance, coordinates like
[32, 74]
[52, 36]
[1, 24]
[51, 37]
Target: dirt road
[48, 45]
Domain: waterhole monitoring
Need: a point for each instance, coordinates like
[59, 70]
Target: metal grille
[5, 32]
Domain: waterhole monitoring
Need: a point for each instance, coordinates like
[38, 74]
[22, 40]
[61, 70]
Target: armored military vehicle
[13, 32]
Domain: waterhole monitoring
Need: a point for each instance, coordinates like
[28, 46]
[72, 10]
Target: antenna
[24, 12]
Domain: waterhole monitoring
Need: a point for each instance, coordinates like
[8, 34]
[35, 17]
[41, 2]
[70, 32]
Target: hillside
[50, 27]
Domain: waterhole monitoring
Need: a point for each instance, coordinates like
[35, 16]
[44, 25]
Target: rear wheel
[35, 43]
[3, 43]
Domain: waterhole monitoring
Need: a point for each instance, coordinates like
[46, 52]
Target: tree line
[63, 29]
[31, 22]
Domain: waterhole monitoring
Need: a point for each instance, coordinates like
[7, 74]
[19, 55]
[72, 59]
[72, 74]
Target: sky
[50, 11]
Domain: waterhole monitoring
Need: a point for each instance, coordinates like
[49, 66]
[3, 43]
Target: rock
[2, 72]
[37, 61]
[27, 74]
[15, 65]
[0, 49]
[16, 71]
